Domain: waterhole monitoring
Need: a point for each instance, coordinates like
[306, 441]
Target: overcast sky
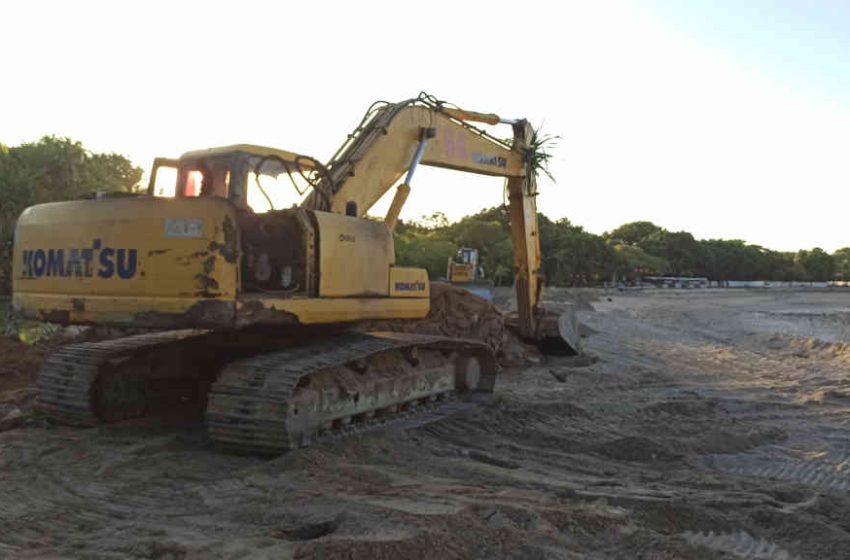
[724, 118]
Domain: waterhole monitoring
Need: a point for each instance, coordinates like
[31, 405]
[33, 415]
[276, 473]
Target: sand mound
[808, 347]
[636, 448]
[454, 313]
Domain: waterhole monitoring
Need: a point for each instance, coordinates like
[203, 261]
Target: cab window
[272, 185]
[205, 178]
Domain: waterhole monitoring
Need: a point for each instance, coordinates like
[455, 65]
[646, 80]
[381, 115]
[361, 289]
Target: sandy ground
[715, 424]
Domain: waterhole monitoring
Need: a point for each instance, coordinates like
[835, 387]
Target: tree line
[55, 168]
[575, 257]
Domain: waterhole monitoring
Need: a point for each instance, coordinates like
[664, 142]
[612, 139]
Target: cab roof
[250, 149]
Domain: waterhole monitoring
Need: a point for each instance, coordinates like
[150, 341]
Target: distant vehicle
[675, 281]
[463, 271]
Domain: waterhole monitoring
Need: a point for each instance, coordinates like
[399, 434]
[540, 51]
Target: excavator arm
[393, 139]
[387, 150]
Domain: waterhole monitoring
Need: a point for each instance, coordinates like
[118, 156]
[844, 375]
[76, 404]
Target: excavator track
[87, 383]
[275, 402]
[278, 397]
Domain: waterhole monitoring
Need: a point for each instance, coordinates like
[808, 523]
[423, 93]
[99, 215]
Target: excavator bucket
[557, 333]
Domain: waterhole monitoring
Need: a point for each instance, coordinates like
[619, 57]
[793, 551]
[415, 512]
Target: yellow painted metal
[335, 310]
[401, 194]
[178, 263]
[525, 237]
[453, 147]
[159, 163]
[175, 312]
[122, 310]
[128, 247]
[262, 151]
[409, 283]
[373, 167]
[460, 272]
[463, 115]
[117, 258]
[355, 256]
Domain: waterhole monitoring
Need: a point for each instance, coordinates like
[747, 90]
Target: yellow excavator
[245, 307]
[463, 271]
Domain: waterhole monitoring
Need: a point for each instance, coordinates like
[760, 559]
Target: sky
[727, 119]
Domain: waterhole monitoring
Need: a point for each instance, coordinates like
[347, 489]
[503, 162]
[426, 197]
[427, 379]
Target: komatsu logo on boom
[105, 262]
[487, 159]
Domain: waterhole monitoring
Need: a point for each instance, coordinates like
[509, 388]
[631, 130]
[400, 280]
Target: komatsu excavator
[245, 310]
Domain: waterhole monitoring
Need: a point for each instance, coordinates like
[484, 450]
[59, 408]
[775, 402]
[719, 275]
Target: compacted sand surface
[712, 424]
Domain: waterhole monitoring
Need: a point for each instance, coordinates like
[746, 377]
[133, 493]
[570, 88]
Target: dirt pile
[455, 313]
[19, 365]
[806, 347]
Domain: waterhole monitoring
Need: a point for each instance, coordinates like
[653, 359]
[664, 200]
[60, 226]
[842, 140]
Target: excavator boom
[394, 138]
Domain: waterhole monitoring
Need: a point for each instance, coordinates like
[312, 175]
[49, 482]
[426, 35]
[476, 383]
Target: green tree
[111, 172]
[817, 264]
[632, 262]
[424, 250]
[679, 249]
[489, 233]
[841, 260]
[633, 233]
[572, 256]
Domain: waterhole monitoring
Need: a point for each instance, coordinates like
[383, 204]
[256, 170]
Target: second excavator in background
[463, 271]
[246, 307]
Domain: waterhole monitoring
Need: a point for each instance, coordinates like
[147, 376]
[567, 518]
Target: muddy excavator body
[206, 261]
[245, 303]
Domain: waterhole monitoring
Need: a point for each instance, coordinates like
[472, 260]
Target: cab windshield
[272, 184]
[259, 183]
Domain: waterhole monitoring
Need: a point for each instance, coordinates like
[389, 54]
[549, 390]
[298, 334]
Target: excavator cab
[254, 178]
[265, 186]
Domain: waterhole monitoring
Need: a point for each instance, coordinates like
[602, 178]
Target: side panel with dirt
[137, 261]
